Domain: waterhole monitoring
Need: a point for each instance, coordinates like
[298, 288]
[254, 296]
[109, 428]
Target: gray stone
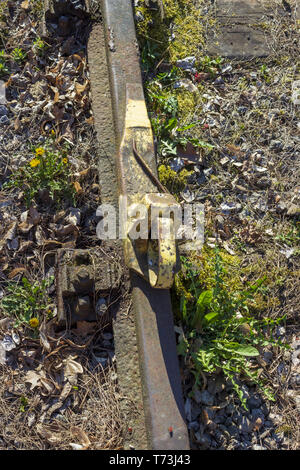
[228, 422]
[253, 402]
[195, 412]
[257, 413]
[295, 380]
[101, 307]
[139, 16]
[193, 425]
[258, 447]
[188, 64]
[230, 409]
[245, 426]
[237, 417]
[204, 441]
[4, 121]
[219, 418]
[3, 110]
[276, 145]
[107, 336]
[264, 408]
[233, 431]
[206, 398]
[267, 356]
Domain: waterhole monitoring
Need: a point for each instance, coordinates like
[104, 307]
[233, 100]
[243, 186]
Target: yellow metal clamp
[153, 256]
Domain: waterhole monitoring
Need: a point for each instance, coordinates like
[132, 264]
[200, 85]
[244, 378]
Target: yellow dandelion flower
[53, 132]
[34, 322]
[35, 162]
[65, 161]
[39, 151]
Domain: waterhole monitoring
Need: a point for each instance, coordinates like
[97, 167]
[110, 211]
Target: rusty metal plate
[81, 277]
[237, 33]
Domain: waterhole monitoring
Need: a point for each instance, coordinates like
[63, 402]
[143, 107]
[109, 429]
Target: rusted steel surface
[163, 402]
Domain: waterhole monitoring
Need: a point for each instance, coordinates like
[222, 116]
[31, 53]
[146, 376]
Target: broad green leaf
[203, 303]
[246, 350]
[211, 317]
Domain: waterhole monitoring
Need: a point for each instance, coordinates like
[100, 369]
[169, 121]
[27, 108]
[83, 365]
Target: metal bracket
[153, 254]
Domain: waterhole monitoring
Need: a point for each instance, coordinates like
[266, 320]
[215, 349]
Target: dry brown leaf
[33, 378]
[52, 436]
[257, 424]
[67, 389]
[17, 124]
[77, 187]
[25, 5]
[65, 230]
[85, 328]
[77, 57]
[84, 173]
[81, 435]
[79, 88]
[47, 384]
[44, 341]
[72, 369]
[16, 271]
[51, 245]
[90, 120]
[25, 227]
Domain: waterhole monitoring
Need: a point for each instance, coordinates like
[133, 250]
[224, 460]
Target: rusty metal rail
[163, 402]
[146, 355]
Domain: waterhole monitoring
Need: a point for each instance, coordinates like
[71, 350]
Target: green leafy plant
[18, 55]
[40, 46]
[264, 72]
[28, 302]
[166, 125]
[23, 404]
[3, 66]
[220, 331]
[37, 7]
[48, 170]
[210, 65]
[290, 237]
[149, 55]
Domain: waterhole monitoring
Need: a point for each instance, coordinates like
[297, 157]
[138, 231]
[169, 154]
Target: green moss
[187, 102]
[237, 277]
[174, 182]
[3, 10]
[184, 19]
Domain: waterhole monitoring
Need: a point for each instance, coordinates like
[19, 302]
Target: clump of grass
[39, 46]
[19, 55]
[48, 170]
[165, 114]
[174, 182]
[3, 65]
[37, 8]
[3, 9]
[221, 332]
[28, 303]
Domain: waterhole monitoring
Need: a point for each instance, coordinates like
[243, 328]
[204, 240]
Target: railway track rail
[146, 356]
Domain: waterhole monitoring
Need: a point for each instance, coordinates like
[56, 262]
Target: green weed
[18, 55]
[3, 65]
[28, 302]
[48, 170]
[40, 46]
[165, 118]
[221, 333]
